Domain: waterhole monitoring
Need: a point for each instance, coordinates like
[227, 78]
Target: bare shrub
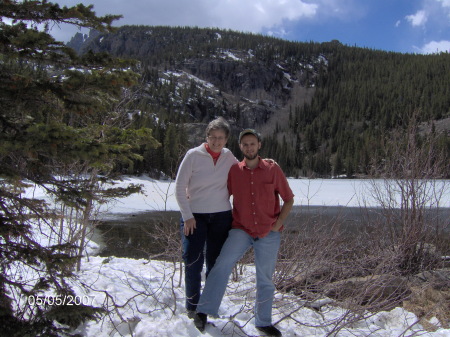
[369, 268]
[410, 195]
[165, 237]
[308, 254]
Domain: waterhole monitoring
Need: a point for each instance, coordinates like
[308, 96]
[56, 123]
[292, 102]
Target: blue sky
[407, 26]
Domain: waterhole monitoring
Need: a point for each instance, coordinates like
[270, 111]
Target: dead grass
[427, 302]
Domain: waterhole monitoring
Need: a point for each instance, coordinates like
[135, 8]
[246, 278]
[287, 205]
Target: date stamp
[85, 300]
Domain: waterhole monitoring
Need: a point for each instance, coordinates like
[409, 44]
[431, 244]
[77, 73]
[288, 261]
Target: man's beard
[251, 157]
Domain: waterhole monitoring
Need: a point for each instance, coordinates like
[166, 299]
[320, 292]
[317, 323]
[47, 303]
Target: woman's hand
[189, 226]
[271, 161]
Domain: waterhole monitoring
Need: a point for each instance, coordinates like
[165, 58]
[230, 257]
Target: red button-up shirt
[256, 192]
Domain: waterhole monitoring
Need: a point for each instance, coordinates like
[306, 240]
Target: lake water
[151, 234]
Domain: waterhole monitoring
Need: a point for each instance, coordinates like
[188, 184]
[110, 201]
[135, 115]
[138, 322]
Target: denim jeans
[266, 252]
[211, 233]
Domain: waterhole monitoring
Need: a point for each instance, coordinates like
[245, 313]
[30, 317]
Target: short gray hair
[218, 124]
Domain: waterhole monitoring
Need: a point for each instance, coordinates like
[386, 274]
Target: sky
[406, 26]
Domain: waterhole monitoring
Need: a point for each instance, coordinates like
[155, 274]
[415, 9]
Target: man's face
[250, 146]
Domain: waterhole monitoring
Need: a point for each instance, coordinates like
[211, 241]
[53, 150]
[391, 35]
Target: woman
[202, 195]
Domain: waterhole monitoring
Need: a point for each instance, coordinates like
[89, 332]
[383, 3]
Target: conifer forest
[324, 109]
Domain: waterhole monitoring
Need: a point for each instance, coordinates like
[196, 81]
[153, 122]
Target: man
[256, 186]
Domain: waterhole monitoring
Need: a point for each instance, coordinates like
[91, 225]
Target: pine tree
[171, 150]
[61, 129]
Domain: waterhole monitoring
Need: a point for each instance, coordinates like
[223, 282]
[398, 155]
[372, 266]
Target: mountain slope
[317, 105]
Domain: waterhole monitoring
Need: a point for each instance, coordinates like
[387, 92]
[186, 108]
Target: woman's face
[216, 140]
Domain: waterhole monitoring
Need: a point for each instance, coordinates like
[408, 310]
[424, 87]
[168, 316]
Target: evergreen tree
[172, 153]
[61, 129]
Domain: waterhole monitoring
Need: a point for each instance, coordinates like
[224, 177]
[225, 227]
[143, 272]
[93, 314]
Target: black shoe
[190, 313]
[200, 321]
[269, 330]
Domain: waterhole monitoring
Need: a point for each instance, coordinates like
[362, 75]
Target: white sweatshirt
[201, 186]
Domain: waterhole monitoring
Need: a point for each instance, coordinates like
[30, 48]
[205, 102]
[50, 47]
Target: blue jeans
[266, 252]
[212, 231]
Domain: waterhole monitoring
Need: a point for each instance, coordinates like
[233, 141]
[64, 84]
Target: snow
[190, 77]
[229, 54]
[151, 303]
[160, 195]
[323, 59]
[232, 56]
[149, 294]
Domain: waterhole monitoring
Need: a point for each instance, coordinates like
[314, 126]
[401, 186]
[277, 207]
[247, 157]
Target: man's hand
[189, 226]
[287, 206]
[277, 226]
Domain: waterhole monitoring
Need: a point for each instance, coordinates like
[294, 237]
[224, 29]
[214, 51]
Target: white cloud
[436, 47]
[241, 15]
[256, 15]
[445, 6]
[445, 3]
[244, 15]
[418, 19]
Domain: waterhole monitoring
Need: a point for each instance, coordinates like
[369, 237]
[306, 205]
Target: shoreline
[133, 234]
[297, 211]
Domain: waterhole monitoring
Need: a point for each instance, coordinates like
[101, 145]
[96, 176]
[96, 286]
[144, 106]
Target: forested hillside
[323, 108]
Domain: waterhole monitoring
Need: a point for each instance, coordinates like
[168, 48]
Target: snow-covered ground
[153, 305]
[150, 296]
[159, 195]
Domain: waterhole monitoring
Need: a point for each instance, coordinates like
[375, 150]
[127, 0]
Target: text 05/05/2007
[59, 300]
